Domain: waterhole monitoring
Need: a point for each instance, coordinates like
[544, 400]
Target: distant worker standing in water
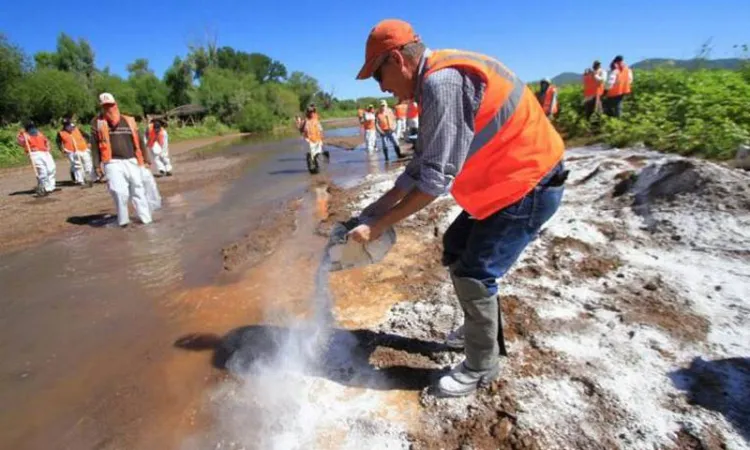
[485, 139]
[368, 123]
[119, 148]
[36, 146]
[618, 86]
[158, 144]
[385, 124]
[400, 112]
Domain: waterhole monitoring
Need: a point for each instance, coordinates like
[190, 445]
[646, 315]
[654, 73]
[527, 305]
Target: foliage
[48, 94]
[304, 86]
[224, 92]
[124, 93]
[13, 65]
[690, 112]
[255, 117]
[179, 81]
[210, 126]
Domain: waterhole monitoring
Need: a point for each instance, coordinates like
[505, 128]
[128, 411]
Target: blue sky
[326, 38]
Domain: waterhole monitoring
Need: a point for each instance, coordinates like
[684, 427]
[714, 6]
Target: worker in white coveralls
[368, 123]
[36, 146]
[118, 148]
[74, 144]
[158, 144]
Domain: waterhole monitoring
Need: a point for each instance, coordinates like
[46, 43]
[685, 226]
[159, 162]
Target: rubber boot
[481, 339]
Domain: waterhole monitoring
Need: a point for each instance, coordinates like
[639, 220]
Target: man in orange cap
[484, 138]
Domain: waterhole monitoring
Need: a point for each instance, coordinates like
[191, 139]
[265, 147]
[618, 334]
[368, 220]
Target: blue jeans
[485, 249]
[388, 136]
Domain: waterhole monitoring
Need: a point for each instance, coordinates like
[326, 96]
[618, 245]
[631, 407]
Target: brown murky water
[88, 320]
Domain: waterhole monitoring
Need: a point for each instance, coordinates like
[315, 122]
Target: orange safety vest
[73, 142]
[38, 143]
[105, 146]
[592, 87]
[412, 112]
[547, 103]
[369, 124]
[384, 120]
[312, 130]
[514, 146]
[622, 83]
[401, 111]
[154, 137]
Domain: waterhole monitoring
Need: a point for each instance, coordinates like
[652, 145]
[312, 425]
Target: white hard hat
[383, 103]
[106, 99]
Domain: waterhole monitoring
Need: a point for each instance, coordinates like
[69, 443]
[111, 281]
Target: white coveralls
[161, 155]
[400, 128]
[125, 182]
[80, 165]
[153, 197]
[45, 169]
[370, 135]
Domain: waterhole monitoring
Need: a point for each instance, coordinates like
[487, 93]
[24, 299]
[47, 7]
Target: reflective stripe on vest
[549, 95]
[105, 146]
[622, 83]
[515, 145]
[412, 112]
[73, 141]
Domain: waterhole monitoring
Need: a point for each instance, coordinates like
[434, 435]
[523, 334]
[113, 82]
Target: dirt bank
[25, 219]
[605, 315]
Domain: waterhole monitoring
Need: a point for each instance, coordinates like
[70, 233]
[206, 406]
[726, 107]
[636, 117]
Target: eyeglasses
[377, 75]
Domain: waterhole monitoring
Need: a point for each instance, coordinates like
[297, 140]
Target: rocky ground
[628, 321]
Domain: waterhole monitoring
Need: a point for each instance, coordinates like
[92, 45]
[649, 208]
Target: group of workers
[115, 153]
[601, 93]
[392, 125]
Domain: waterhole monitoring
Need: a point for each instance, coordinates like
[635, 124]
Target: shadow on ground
[345, 359]
[722, 385]
[93, 220]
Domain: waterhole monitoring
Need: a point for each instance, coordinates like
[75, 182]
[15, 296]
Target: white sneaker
[463, 381]
[455, 338]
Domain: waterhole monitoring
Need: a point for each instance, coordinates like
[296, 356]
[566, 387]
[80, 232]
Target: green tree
[179, 81]
[281, 101]
[13, 66]
[229, 58]
[224, 92]
[76, 57]
[139, 67]
[266, 69]
[125, 94]
[49, 94]
[46, 60]
[304, 86]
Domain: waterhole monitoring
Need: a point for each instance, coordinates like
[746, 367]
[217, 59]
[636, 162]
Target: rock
[501, 430]
[743, 152]
[650, 286]
[717, 288]
[620, 275]
[676, 237]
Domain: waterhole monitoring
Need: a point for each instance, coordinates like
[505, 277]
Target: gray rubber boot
[480, 323]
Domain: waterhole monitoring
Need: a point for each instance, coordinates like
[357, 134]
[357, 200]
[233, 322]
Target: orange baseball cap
[384, 37]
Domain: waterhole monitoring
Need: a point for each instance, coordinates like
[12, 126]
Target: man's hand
[365, 233]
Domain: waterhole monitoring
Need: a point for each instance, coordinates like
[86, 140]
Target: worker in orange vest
[547, 97]
[36, 146]
[118, 150]
[158, 144]
[368, 123]
[593, 88]
[400, 112]
[618, 86]
[385, 123]
[485, 139]
[73, 143]
[412, 118]
[312, 132]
